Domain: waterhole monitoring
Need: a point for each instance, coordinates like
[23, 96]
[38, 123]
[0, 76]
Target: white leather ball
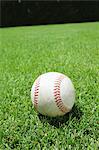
[53, 94]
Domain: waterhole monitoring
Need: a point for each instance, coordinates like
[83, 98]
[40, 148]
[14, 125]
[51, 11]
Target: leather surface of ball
[53, 94]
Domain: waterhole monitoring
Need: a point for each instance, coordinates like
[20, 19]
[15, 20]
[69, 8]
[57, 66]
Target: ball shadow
[63, 120]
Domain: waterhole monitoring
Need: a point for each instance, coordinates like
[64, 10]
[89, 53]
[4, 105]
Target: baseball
[53, 94]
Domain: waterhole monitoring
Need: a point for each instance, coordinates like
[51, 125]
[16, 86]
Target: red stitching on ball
[36, 92]
[57, 94]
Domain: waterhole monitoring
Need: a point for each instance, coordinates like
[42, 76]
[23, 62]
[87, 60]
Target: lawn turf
[27, 52]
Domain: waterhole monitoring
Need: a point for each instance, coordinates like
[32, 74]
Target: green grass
[27, 52]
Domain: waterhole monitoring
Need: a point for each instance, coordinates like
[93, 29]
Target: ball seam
[36, 92]
[57, 95]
